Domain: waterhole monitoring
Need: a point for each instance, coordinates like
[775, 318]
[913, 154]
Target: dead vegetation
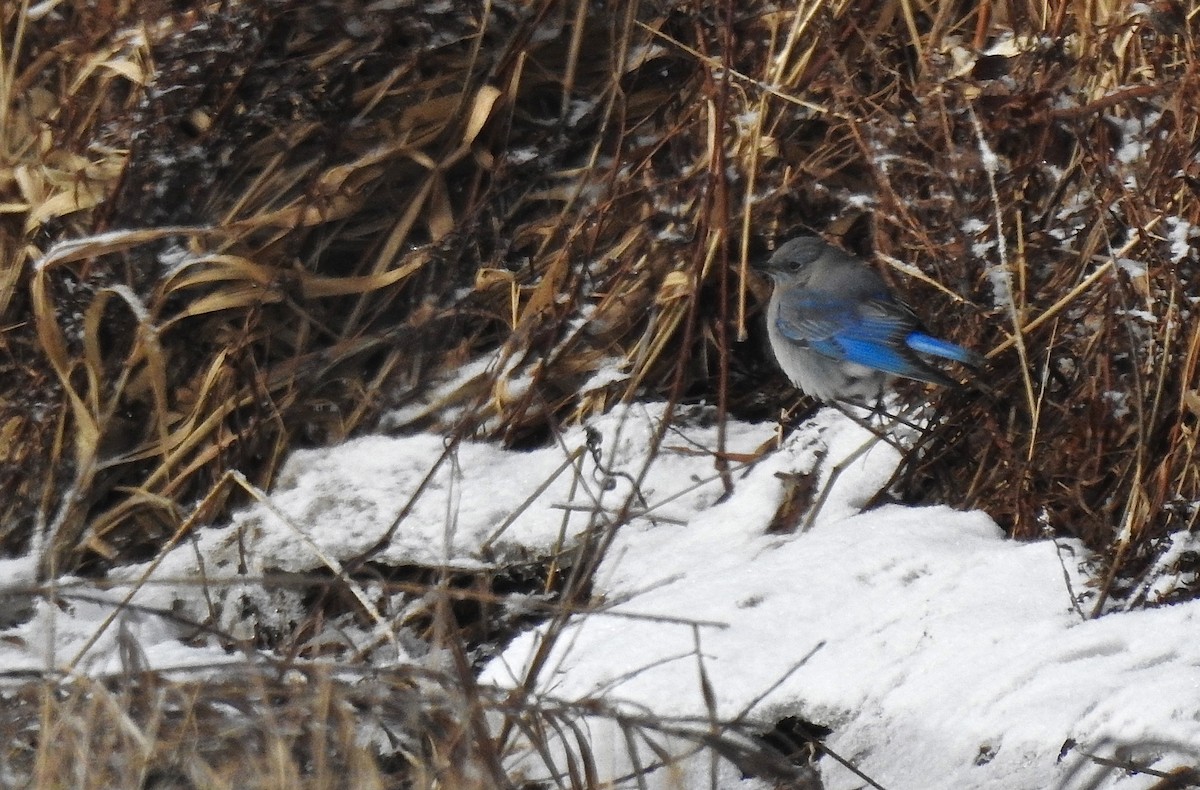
[232, 229]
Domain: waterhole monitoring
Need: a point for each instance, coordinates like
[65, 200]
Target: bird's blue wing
[840, 327]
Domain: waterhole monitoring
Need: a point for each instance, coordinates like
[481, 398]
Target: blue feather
[924, 344]
[876, 355]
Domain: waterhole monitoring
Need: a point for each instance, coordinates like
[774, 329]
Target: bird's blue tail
[924, 344]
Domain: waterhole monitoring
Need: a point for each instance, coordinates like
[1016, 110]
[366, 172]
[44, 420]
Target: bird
[839, 333]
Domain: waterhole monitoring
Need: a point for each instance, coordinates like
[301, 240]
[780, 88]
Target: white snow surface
[939, 653]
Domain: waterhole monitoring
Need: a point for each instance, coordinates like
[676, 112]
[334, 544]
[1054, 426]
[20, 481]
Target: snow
[931, 639]
[608, 372]
[1180, 233]
[939, 653]
[1135, 144]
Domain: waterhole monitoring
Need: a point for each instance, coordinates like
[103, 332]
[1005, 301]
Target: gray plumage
[837, 331]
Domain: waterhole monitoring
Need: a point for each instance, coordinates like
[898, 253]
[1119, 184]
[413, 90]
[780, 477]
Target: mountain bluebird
[838, 333]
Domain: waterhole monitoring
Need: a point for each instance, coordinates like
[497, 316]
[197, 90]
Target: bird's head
[794, 259]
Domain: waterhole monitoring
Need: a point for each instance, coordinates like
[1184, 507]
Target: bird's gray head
[794, 259]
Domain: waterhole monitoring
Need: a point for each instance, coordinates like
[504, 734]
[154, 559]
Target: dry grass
[228, 230]
[261, 724]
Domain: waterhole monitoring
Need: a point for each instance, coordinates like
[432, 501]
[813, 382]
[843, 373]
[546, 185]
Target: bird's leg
[880, 433]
